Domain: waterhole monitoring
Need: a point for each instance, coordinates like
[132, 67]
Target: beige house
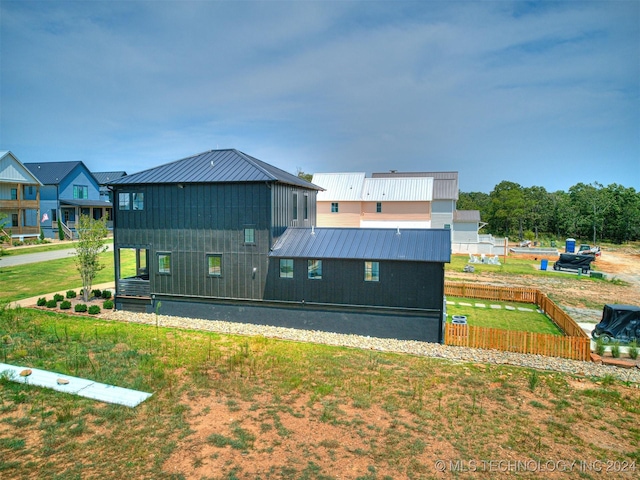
[19, 199]
[400, 200]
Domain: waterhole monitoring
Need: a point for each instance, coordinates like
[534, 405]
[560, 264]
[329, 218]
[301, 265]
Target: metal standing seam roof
[339, 187]
[417, 245]
[52, 173]
[12, 171]
[445, 184]
[466, 216]
[214, 166]
[356, 188]
[104, 178]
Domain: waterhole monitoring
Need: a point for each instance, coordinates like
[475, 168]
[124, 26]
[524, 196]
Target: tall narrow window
[124, 201]
[138, 201]
[334, 207]
[371, 271]
[295, 206]
[306, 207]
[14, 194]
[314, 269]
[164, 263]
[250, 236]
[379, 207]
[286, 268]
[214, 265]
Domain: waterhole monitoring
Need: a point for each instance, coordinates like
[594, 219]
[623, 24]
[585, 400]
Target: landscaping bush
[71, 294]
[58, 298]
[80, 307]
[41, 302]
[615, 350]
[107, 305]
[52, 304]
[106, 294]
[633, 350]
[600, 347]
[96, 292]
[94, 309]
[65, 305]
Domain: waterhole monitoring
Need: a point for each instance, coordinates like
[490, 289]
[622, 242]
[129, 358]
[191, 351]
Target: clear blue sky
[539, 93]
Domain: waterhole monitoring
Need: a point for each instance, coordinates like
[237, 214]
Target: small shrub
[58, 298]
[42, 301]
[534, 379]
[107, 305]
[96, 293]
[106, 294]
[94, 309]
[52, 304]
[633, 350]
[80, 307]
[600, 347]
[65, 305]
[615, 350]
[71, 294]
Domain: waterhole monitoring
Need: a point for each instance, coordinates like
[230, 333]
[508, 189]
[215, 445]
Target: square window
[250, 236]
[379, 207]
[164, 263]
[214, 265]
[138, 201]
[314, 269]
[124, 201]
[80, 192]
[371, 271]
[334, 207]
[286, 268]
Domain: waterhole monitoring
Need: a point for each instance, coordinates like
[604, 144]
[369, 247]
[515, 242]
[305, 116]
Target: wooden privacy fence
[576, 348]
[575, 344]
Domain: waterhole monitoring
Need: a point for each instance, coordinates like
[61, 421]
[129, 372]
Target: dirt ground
[311, 440]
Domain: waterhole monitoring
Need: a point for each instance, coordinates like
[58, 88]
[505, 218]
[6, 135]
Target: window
[379, 207]
[306, 207]
[54, 215]
[80, 192]
[371, 271]
[250, 236]
[124, 201]
[164, 263]
[14, 219]
[286, 268]
[214, 265]
[295, 206]
[447, 226]
[14, 194]
[314, 269]
[138, 200]
[334, 207]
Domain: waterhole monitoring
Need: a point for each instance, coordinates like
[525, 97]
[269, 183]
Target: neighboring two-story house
[69, 190]
[106, 195]
[223, 235]
[19, 198]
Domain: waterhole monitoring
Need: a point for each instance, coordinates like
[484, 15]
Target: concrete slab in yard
[509, 307]
[480, 305]
[76, 386]
[465, 304]
[497, 307]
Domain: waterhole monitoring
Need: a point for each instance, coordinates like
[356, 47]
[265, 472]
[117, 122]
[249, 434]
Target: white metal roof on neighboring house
[355, 187]
[445, 185]
[466, 216]
[339, 186]
[418, 189]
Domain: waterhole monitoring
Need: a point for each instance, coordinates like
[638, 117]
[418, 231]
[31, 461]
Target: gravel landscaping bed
[462, 354]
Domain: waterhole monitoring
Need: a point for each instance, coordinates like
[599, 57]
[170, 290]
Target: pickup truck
[589, 250]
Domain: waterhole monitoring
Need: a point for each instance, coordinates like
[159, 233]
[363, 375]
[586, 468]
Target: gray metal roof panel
[466, 216]
[51, 173]
[421, 245]
[104, 178]
[215, 166]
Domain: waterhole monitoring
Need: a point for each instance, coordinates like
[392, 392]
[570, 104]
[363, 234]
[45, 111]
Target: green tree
[593, 203]
[304, 176]
[91, 235]
[475, 201]
[507, 208]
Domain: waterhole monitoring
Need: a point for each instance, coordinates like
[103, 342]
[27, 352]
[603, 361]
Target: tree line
[593, 212]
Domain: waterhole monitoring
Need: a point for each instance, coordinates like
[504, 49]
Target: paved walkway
[13, 260]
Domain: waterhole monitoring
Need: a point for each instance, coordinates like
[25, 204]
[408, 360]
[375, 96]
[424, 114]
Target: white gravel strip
[462, 354]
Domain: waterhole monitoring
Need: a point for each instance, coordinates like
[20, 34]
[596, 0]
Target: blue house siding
[82, 177]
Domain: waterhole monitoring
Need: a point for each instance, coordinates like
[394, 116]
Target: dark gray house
[223, 235]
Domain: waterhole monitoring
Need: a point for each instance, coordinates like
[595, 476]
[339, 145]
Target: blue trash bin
[543, 264]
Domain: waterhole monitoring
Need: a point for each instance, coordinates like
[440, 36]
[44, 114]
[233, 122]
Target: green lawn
[502, 318]
[9, 252]
[30, 280]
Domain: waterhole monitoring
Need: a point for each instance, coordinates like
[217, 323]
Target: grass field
[228, 407]
[502, 319]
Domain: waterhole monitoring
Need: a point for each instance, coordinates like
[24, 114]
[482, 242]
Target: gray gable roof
[104, 178]
[421, 245]
[215, 166]
[52, 173]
